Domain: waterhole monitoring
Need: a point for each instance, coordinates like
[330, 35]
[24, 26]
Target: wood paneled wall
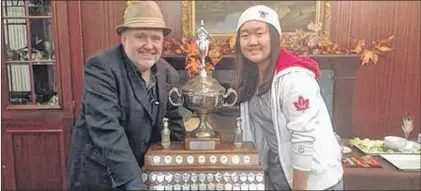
[384, 92]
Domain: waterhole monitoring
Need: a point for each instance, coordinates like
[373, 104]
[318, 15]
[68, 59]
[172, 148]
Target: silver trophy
[202, 94]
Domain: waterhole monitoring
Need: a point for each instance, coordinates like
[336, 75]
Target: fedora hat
[143, 14]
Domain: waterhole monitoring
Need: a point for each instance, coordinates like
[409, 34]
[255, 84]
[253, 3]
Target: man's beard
[147, 64]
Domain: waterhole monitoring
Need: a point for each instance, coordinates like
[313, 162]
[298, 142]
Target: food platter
[376, 147]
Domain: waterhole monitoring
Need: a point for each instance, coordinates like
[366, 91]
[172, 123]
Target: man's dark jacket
[113, 130]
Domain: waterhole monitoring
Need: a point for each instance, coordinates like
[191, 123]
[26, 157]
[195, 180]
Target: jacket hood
[286, 60]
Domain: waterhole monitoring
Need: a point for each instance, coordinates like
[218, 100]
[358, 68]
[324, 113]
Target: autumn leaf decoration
[371, 55]
[189, 48]
[300, 42]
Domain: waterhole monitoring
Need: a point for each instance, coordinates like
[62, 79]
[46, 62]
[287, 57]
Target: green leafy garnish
[370, 146]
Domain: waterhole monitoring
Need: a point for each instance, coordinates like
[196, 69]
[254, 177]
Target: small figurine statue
[238, 137]
[202, 42]
[165, 134]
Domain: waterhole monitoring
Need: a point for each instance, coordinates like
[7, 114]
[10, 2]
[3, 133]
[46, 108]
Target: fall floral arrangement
[300, 43]
[188, 48]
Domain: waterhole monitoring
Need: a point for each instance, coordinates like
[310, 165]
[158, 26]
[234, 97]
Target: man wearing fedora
[124, 100]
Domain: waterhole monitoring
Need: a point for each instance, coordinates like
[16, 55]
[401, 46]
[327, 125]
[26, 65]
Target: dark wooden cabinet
[35, 126]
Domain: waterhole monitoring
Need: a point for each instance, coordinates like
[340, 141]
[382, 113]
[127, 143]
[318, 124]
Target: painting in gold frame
[226, 29]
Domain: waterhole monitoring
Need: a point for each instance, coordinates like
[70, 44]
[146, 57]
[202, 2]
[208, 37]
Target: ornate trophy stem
[204, 129]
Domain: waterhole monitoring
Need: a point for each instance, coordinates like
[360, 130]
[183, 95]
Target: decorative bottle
[238, 137]
[165, 134]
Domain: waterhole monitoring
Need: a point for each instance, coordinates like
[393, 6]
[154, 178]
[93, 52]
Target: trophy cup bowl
[203, 95]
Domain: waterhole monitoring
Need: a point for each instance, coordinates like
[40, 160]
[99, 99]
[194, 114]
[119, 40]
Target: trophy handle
[228, 93]
[175, 90]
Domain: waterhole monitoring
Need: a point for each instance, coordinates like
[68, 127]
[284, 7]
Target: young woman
[282, 109]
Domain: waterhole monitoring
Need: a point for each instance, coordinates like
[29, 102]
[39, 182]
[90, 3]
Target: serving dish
[404, 162]
[377, 147]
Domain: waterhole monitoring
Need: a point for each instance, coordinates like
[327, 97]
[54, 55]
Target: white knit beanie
[260, 13]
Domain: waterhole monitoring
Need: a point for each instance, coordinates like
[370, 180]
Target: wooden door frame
[76, 49]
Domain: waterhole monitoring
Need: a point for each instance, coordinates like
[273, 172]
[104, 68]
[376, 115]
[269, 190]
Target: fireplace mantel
[344, 68]
[349, 61]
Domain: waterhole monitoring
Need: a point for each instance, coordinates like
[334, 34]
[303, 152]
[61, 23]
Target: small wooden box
[224, 168]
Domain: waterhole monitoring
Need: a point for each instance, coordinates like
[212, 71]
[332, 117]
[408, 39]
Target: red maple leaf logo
[301, 104]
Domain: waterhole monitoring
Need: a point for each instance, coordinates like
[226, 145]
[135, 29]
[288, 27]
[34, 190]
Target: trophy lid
[203, 84]
[200, 85]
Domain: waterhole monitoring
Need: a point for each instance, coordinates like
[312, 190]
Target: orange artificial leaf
[192, 49]
[376, 51]
[231, 41]
[386, 40]
[375, 43]
[383, 48]
[193, 70]
[190, 64]
[209, 67]
[215, 60]
[188, 47]
[375, 58]
[189, 55]
[366, 57]
[178, 51]
[215, 55]
[359, 47]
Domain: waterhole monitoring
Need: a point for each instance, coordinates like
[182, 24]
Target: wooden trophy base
[226, 167]
[194, 143]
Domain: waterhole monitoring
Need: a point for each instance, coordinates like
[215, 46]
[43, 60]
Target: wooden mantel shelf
[329, 61]
[344, 68]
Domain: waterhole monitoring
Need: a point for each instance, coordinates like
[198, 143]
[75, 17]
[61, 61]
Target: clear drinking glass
[407, 125]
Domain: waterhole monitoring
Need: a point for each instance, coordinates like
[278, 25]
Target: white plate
[410, 148]
[405, 162]
[346, 150]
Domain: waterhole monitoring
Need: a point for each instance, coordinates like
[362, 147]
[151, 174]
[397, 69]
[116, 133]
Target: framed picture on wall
[220, 17]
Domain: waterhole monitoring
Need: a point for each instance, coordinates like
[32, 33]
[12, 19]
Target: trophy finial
[202, 42]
